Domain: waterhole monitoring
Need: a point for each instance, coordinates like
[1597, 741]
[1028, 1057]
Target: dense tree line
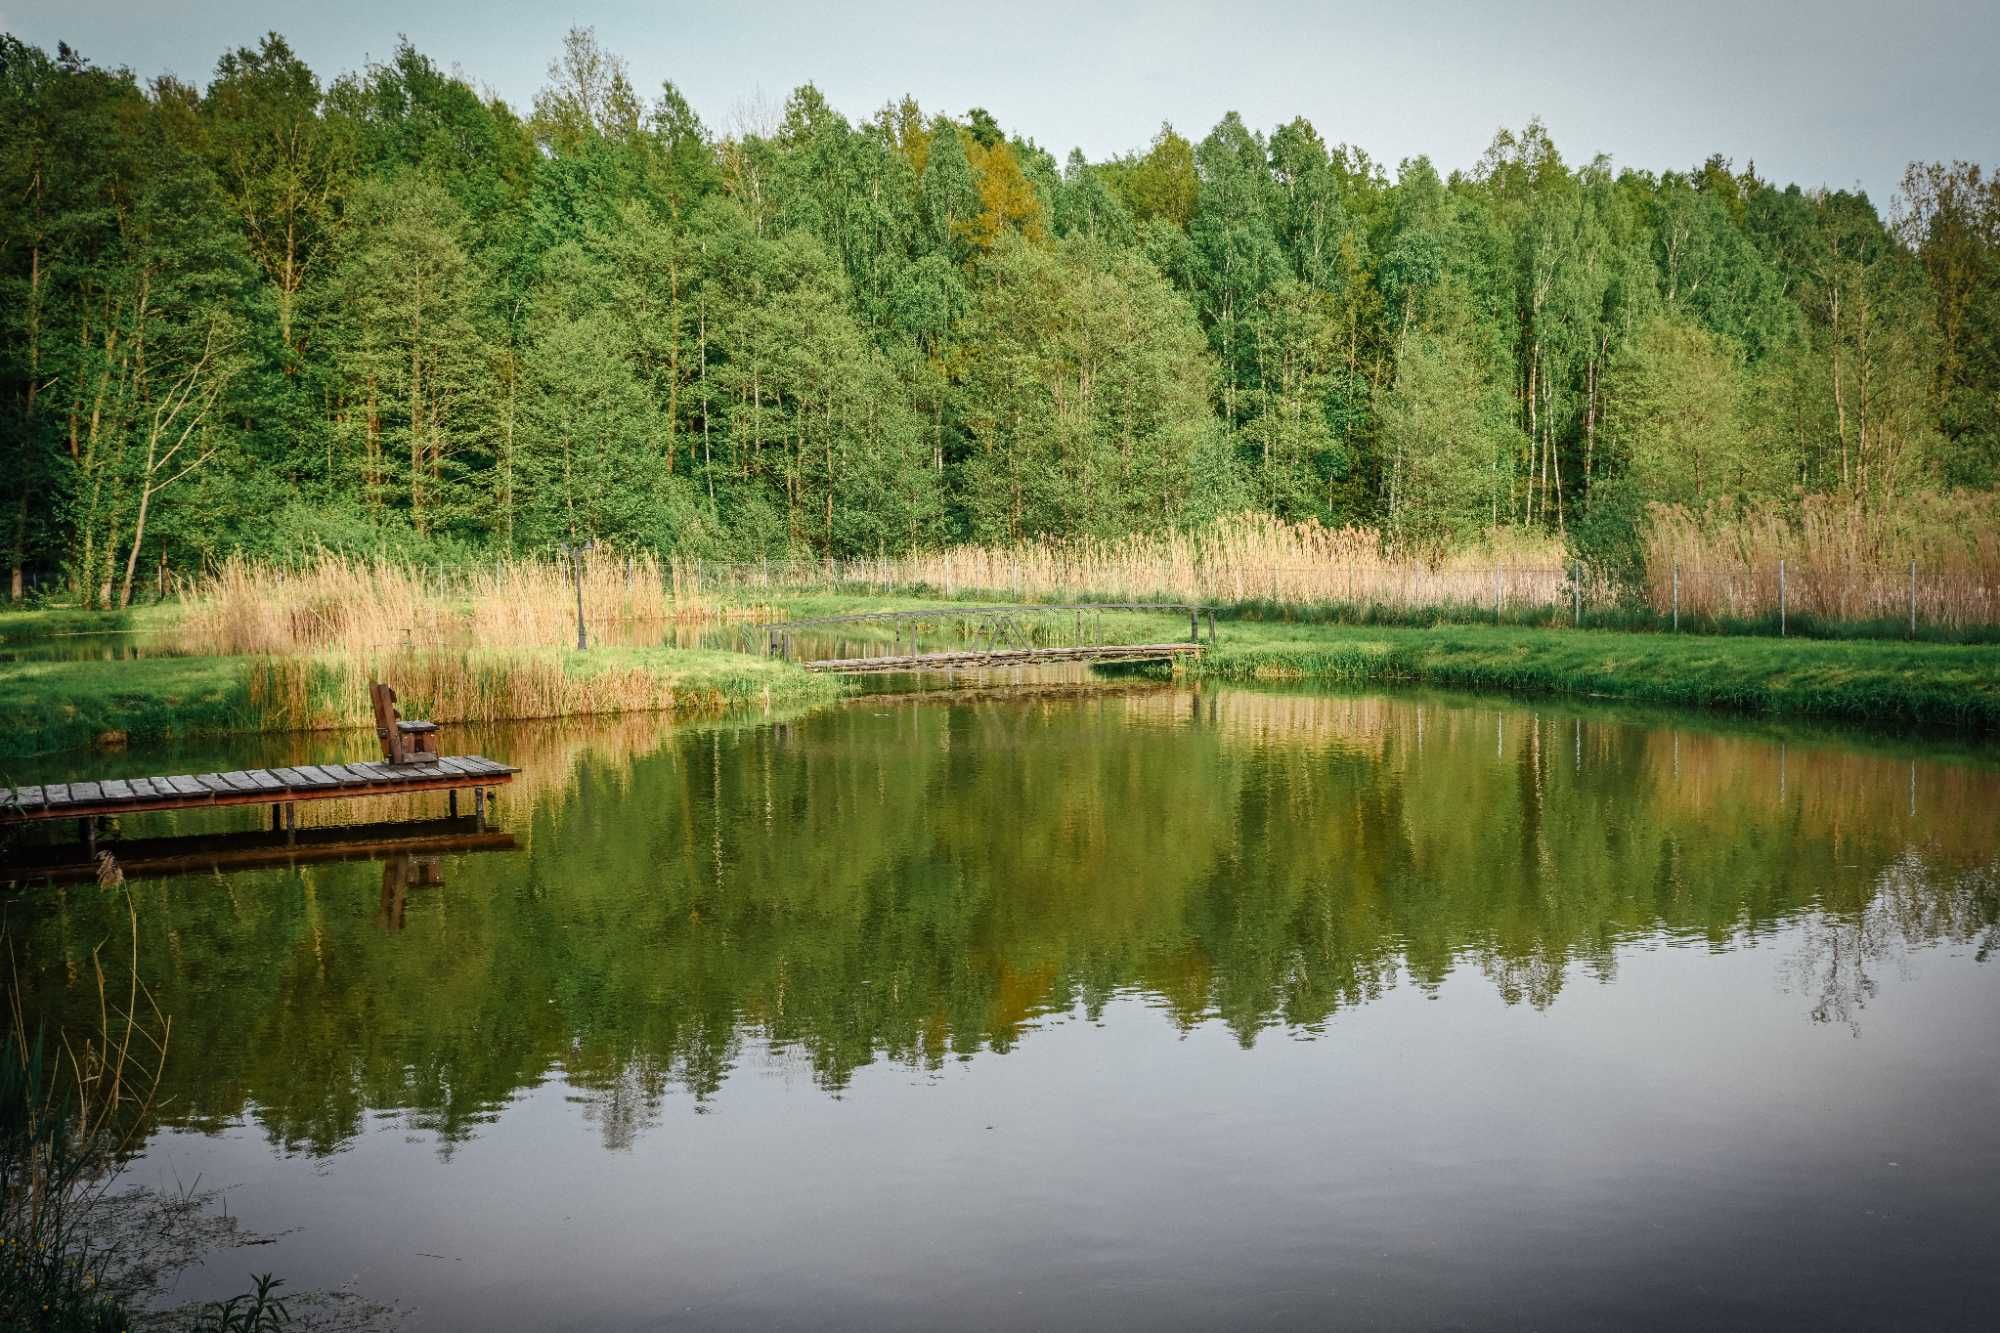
[387, 313]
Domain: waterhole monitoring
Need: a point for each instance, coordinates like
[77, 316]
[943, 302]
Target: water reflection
[916, 882]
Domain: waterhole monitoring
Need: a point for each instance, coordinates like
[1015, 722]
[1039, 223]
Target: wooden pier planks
[305, 782]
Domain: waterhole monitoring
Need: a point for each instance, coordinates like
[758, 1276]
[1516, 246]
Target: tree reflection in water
[917, 881]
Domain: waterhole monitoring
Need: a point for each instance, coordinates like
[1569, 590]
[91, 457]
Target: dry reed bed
[1249, 557]
[323, 693]
[1842, 560]
[342, 604]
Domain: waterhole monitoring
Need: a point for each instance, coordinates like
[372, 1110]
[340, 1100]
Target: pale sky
[1821, 92]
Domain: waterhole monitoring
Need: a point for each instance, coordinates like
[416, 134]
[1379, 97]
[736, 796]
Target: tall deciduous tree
[1675, 418]
[402, 304]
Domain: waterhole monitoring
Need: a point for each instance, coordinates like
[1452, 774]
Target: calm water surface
[1137, 1009]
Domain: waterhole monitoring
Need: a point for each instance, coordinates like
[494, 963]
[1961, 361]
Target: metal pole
[1496, 594]
[1913, 599]
[1677, 597]
[1781, 599]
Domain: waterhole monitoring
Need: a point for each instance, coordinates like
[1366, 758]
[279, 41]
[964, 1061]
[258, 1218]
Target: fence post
[1194, 626]
[1781, 599]
[1677, 597]
[1913, 599]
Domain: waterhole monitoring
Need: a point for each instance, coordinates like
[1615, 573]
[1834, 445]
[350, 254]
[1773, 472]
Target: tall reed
[1248, 557]
[330, 691]
[72, 1104]
[340, 603]
[1843, 560]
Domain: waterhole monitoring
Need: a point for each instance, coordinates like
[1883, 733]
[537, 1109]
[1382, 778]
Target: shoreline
[50, 706]
[1928, 685]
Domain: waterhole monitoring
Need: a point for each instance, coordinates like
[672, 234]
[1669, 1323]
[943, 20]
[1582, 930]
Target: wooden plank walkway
[977, 660]
[256, 786]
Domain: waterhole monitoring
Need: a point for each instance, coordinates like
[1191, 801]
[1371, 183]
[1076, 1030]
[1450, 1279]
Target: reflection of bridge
[997, 636]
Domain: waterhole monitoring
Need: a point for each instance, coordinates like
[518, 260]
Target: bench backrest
[383, 696]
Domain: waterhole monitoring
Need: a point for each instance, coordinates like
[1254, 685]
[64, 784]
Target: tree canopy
[383, 310]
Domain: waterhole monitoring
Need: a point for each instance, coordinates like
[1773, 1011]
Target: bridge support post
[478, 808]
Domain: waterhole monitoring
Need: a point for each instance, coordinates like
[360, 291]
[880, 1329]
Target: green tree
[401, 304]
[1674, 418]
[1448, 441]
[282, 168]
[1085, 399]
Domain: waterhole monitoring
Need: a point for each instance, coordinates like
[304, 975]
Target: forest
[383, 313]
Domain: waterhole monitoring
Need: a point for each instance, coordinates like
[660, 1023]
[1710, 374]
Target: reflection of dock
[219, 853]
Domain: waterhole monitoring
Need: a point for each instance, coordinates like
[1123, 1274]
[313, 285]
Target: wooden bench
[403, 741]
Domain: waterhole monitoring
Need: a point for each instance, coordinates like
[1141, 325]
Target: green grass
[48, 706]
[1627, 617]
[19, 624]
[1921, 684]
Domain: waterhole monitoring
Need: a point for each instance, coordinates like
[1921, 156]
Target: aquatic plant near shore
[330, 691]
[70, 1105]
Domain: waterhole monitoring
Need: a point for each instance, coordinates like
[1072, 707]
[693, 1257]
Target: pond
[1134, 1006]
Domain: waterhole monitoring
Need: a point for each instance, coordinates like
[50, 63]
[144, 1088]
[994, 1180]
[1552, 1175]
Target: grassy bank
[49, 706]
[1920, 684]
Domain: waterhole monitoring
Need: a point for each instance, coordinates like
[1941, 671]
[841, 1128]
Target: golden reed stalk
[343, 604]
[1249, 557]
[1843, 559]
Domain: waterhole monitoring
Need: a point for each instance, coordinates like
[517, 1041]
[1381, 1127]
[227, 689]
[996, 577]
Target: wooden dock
[986, 659]
[280, 788]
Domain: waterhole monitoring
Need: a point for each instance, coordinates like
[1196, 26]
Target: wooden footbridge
[410, 764]
[993, 637]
